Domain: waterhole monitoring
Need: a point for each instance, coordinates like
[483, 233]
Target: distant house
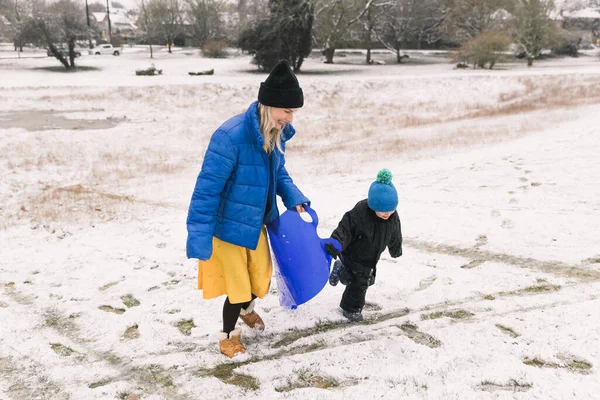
[586, 21]
[120, 25]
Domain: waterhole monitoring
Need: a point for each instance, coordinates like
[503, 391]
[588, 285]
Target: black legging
[231, 313]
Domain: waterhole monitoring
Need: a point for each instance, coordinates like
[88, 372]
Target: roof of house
[116, 18]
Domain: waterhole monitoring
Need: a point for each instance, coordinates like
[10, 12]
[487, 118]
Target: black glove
[332, 251]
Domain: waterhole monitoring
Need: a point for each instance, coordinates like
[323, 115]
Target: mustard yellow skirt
[236, 271]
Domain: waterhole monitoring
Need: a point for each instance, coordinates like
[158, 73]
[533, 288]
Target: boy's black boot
[353, 316]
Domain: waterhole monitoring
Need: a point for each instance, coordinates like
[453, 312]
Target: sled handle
[313, 215]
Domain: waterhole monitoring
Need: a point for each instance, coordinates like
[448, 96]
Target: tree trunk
[369, 61]
[72, 52]
[151, 56]
[169, 45]
[529, 61]
[59, 56]
[398, 56]
[329, 52]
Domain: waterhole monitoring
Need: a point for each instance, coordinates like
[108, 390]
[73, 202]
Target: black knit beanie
[281, 88]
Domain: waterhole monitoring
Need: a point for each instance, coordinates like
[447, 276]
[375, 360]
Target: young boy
[364, 232]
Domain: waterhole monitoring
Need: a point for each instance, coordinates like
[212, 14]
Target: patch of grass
[9, 284]
[512, 385]
[153, 288]
[320, 327]
[534, 184]
[473, 264]
[156, 375]
[75, 315]
[579, 365]
[326, 326]
[544, 287]
[489, 297]
[130, 301]
[433, 315]
[111, 309]
[318, 345]
[123, 395]
[455, 314]
[574, 365]
[225, 373]
[100, 383]
[185, 326]
[113, 359]
[507, 330]
[61, 69]
[387, 316]
[592, 260]
[173, 311]
[61, 350]
[536, 362]
[306, 378]
[540, 288]
[108, 286]
[28, 283]
[57, 322]
[128, 396]
[413, 333]
[3, 304]
[371, 307]
[132, 332]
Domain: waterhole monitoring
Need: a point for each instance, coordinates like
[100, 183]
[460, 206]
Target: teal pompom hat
[383, 196]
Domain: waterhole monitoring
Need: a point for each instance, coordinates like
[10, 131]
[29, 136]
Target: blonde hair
[268, 129]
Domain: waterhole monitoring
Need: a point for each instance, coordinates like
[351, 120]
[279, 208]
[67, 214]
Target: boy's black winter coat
[364, 236]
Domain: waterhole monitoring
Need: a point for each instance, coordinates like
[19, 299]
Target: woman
[235, 196]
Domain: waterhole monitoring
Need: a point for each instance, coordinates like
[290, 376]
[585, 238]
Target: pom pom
[384, 176]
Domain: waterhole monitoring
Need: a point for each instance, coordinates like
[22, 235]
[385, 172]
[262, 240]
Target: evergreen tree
[285, 34]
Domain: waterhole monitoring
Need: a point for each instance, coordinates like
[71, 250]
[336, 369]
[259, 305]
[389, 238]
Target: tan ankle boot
[251, 318]
[232, 345]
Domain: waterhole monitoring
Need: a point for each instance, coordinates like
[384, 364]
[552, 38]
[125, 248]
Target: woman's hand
[300, 208]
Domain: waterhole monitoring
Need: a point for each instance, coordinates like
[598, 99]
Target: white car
[105, 49]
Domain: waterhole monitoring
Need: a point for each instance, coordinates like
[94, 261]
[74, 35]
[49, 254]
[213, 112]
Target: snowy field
[496, 295]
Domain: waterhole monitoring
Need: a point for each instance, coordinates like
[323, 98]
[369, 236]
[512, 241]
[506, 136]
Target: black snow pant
[357, 281]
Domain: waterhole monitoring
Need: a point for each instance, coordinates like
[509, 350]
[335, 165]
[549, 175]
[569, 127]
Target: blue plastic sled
[302, 264]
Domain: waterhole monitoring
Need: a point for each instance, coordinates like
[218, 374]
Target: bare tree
[204, 15]
[398, 25]
[469, 18]
[57, 23]
[145, 26]
[249, 12]
[430, 21]
[370, 18]
[167, 18]
[333, 19]
[16, 12]
[533, 27]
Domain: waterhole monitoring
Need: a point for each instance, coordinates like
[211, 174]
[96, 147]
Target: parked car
[103, 49]
[64, 51]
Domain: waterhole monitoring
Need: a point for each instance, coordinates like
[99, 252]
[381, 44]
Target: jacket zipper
[265, 157]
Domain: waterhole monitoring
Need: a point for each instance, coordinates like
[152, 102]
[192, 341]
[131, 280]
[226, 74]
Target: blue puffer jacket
[230, 196]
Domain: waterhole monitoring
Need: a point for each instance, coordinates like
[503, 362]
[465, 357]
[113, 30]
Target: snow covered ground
[496, 295]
